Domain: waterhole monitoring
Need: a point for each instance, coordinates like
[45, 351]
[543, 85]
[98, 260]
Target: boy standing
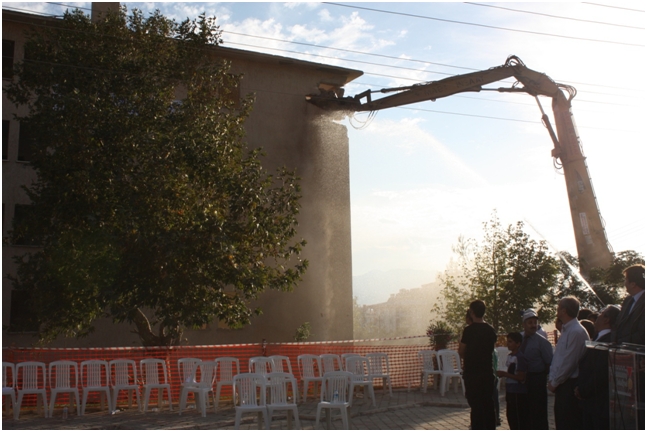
[516, 395]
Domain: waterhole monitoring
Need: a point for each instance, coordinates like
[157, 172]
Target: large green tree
[506, 269]
[149, 206]
[603, 286]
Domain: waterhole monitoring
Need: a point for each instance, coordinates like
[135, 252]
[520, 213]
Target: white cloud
[324, 15]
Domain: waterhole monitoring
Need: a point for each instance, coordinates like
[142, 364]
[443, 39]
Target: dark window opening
[5, 139]
[7, 58]
[21, 225]
[21, 317]
[25, 141]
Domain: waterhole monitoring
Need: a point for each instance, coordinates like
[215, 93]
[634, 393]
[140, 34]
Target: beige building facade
[294, 134]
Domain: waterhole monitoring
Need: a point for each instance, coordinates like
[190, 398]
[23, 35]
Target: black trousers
[568, 414]
[517, 410]
[478, 391]
[537, 400]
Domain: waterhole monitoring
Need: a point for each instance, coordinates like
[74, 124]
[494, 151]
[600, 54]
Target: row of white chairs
[268, 393]
[443, 364]
[107, 379]
[446, 364]
[364, 370]
[197, 377]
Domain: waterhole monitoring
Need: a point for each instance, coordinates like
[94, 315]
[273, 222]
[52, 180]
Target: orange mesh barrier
[403, 359]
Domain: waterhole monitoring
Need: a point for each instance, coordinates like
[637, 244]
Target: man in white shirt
[562, 378]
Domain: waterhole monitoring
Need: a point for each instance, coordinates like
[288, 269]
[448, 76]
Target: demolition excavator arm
[592, 245]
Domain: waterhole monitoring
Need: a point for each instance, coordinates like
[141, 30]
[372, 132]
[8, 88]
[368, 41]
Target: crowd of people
[576, 375]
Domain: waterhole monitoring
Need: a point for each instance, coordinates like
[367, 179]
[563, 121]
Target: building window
[21, 216]
[7, 58]
[21, 318]
[25, 141]
[5, 139]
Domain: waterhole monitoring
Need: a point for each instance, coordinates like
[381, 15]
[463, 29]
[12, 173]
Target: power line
[416, 70]
[397, 67]
[487, 26]
[379, 55]
[347, 50]
[555, 16]
[337, 58]
[368, 54]
[71, 6]
[502, 118]
[613, 7]
[30, 11]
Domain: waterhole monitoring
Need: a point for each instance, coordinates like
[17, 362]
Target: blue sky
[419, 179]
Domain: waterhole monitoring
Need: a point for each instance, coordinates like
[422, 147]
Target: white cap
[529, 313]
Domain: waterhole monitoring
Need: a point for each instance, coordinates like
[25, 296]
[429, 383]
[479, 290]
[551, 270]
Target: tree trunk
[148, 338]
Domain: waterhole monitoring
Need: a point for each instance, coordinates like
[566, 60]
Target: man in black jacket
[631, 322]
[593, 381]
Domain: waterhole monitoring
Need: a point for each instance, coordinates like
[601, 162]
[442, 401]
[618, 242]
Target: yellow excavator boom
[593, 247]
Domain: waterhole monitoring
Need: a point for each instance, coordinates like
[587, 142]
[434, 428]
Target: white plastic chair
[281, 364]
[95, 378]
[150, 369]
[200, 388]
[345, 357]
[279, 396]
[123, 376]
[330, 363]
[335, 390]
[450, 363]
[9, 386]
[502, 355]
[378, 368]
[64, 378]
[430, 366]
[261, 365]
[32, 381]
[249, 396]
[358, 367]
[186, 369]
[226, 368]
[310, 369]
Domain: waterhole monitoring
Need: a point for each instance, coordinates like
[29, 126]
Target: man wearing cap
[539, 353]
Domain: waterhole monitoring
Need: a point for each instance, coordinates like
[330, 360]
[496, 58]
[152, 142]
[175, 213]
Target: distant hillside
[376, 286]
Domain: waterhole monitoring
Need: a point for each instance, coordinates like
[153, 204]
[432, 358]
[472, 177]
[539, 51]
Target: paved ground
[404, 410]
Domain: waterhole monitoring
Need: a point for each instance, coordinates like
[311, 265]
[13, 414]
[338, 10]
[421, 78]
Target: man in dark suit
[631, 325]
[631, 322]
[593, 381]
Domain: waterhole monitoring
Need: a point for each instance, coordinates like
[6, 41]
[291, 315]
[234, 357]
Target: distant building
[292, 133]
[406, 313]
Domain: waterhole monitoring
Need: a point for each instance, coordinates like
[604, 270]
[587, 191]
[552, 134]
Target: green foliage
[609, 283]
[146, 205]
[440, 334]
[303, 332]
[455, 297]
[508, 270]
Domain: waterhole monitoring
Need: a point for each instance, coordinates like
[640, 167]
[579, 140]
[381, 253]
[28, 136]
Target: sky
[425, 174]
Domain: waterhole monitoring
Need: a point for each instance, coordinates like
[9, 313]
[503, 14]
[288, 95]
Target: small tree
[507, 269]
[440, 334]
[149, 207]
[303, 332]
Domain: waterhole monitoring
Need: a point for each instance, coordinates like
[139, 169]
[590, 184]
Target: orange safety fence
[403, 359]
